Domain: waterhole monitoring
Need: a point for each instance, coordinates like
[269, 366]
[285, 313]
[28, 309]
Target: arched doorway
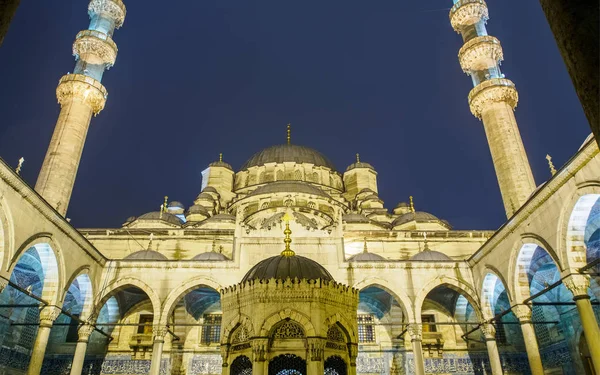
[335, 365]
[241, 366]
[287, 364]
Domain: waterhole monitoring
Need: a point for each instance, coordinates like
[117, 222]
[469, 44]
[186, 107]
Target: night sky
[195, 78]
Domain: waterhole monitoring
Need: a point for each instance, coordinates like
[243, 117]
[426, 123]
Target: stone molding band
[95, 47]
[113, 9]
[468, 12]
[84, 88]
[490, 91]
[482, 52]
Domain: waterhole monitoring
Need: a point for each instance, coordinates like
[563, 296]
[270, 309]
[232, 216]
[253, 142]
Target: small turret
[358, 177]
[219, 176]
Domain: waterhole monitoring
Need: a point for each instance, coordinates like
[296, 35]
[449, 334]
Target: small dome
[210, 256]
[402, 205]
[210, 189]
[431, 255]
[206, 196]
[281, 267]
[359, 164]
[146, 255]
[197, 209]
[165, 216]
[289, 187]
[176, 204]
[220, 164]
[366, 257]
[418, 216]
[288, 153]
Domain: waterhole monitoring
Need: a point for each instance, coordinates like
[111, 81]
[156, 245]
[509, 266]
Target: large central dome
[288, 153]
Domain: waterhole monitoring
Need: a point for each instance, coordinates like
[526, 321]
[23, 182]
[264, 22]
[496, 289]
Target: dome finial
[425, 245]
[221, 157]
[150, 242]
[365, 250]
[287, 252]
[412, 204]
[358, 158]
[551, 165]
[289, 133]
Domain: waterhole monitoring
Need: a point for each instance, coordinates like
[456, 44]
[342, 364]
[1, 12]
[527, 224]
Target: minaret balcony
[83, 88]
[95, 47]
[482, 52]
[492, 91]
[113, 9]
[468, 12]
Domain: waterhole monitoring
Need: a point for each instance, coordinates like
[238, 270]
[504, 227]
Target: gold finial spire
[18, 170]
[358, 158]
[287, 252]
[289, 133]
[365, 250]
[551, 165]
[412, 204]
[220, 156]
[165, 204]
[150, 242]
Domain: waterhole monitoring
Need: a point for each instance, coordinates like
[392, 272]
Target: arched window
[265, 205]
[335, 365]
[279, 175]
[241, 366]
[315, 177]
[298, 175]
[288, 330]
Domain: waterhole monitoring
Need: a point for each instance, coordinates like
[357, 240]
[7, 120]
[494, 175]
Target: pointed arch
[572, 227]
[178, 293]
[343, 323]
[294, 315]
[80, 287]
[458, 286]
[111, 289]
[521, 267]
[492, 287]
[6, 235]
[398, 293]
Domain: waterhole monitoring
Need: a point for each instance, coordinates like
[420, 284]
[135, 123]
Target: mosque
[289, 266]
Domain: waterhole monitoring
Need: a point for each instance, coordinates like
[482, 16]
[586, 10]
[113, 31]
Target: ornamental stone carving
[578, 285]
[491, 91]
[288, 330]
[335, 334]
[113, 9]
[95, 47]
[159, 332]
[468, 12]
[316, 349]
[259, 349]
[415, 331]
[240, 335]
[482, 52]
[488, 330]
[84, 88]
[48, 314]
[84, 332]
[523, 313]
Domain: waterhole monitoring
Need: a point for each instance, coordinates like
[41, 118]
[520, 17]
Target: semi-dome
[431, 255]
[281, 267]
[210, 256]
[175, 204]
[289, 187]
[288, 153]
[164, 216]
[146, 255]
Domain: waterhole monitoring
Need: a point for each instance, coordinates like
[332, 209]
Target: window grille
[211, 330]
[366, 328]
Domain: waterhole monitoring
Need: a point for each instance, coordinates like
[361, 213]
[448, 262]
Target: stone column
[416, 336]
[259, 351]
[578, 285]
[489, 333]
[523, 313]
[48, 315]
[316, 350]
[159, 333]
[84, 332]
[352, 354]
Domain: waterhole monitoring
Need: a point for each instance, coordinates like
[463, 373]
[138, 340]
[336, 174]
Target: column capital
[415, 331]
[316, 348]
[84, 88]
[48, 314]
[522, 312]
[159, 332]
[84, 332]
[259, 349]
[488, 330]
[578, 285]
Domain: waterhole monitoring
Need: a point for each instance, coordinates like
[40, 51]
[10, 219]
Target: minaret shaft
[80, 95]
[492, 100]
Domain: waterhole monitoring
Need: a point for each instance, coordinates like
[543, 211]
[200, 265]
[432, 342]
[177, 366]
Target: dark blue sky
[195, 78]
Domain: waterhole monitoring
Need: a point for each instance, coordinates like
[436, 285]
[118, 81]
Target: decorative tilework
[205, 364]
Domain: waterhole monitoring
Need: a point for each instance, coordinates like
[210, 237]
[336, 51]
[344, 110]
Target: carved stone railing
[468, 12]
[492, 90]
[95, 47]
[85, 88]
[114, 9]
[482, 52]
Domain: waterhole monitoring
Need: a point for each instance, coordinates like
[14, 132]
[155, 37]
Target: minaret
[493, 100]
[80, 95]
